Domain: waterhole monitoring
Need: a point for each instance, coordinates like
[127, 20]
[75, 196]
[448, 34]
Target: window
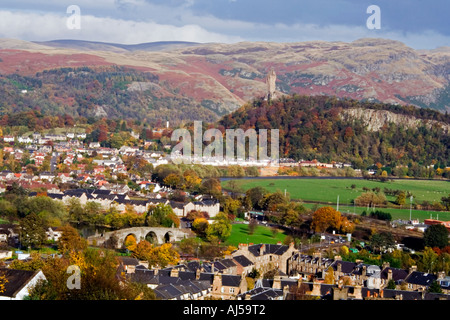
[231, 290]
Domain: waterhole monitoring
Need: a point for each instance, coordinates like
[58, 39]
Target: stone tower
[270, 82]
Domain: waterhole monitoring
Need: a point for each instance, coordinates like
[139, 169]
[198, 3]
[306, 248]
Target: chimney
[276, 282]
[197, 274]
[217, 283]
[285, 292]
[385, 265]
[337, 258]
[412, 269]
[441, 275]
[364, 271]
[339, 268]
[243, 247]
[174, 273]
[357, 292]
[389, 275]
[155, 271]
[212, 267]
[316, 289]
[262, 249]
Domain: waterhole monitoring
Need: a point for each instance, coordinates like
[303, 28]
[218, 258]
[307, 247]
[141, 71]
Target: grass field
[395, 213]
[327, 190]
[262, 234]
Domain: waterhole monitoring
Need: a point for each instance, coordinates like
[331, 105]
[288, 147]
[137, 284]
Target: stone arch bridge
[156, 235]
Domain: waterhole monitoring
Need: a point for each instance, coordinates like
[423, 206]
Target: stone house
[227, 287]
[306, 266]
[266, 257]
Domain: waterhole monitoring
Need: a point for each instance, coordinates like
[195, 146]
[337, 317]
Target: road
[53, 161]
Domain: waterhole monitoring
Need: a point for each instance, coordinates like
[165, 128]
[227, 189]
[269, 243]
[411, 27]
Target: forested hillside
[110, 91]
[314, 128]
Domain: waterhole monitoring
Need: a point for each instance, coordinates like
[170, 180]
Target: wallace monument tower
[270, 82]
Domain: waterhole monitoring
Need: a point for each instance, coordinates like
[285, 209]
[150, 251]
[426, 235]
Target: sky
[417, 23]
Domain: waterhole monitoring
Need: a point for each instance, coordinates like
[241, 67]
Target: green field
[395, 213]
[328, 190]
[262, 234]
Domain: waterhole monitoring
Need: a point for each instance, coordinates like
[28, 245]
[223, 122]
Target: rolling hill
[189, 81]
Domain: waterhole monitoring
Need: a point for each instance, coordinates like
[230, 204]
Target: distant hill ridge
[116, 47]
[217, 78]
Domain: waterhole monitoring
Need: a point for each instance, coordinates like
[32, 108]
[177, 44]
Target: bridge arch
[151, 237]
[128, 237]
[157, 235]
[168, 237]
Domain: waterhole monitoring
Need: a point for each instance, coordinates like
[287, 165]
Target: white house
[25, 140]
[19, 283]
[8, 138]
[53, 234]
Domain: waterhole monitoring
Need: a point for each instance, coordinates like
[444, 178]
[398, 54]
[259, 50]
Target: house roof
[346, 266]
[16, 280]
[397, 274]
[277, 249]
[262, 293]
[231, 280]
[175, 291]
[243, 260]
[129, 261]
[421, 278]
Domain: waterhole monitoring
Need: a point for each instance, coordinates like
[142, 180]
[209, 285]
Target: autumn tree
[436, 236]
[130, 242]
[254, 197]
[370, 199]
[324, 218]
[70, 240]
[220, 228]
[329, 276]
[173, 180]
[32, 231]
[162, 215]
[191, 180]
[163, 255]
[142, 250]
[211, 186]
[200, 227]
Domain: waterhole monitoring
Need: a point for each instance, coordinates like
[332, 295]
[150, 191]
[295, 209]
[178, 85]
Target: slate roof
[129, 261]
[346, 266]
[243, 260]
[277, 249]
[421, 278]
[262, 293]
[397, 274]
[16, 280]
[231, 280]
[175, 291]
[101, 191]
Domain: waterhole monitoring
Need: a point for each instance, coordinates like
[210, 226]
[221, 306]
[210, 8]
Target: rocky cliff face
[376, 119]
